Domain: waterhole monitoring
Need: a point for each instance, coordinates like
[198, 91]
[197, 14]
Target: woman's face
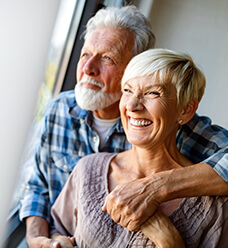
[149, 111]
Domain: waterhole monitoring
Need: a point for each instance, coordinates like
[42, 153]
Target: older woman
[161, 91]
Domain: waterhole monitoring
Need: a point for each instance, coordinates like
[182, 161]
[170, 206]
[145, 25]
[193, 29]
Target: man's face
[104, 56]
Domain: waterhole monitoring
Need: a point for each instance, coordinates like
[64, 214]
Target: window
[59, 75]
[64, 25]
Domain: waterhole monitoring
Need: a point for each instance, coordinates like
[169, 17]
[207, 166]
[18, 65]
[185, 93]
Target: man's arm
[200, 141]
[196, 180]
[37, 233]
[133, 203]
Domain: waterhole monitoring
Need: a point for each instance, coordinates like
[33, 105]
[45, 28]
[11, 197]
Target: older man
[88, 123]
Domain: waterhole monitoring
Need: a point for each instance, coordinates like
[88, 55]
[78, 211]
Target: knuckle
[136, 216]
[112, 197]
[133, 226]
[128, 210]
[119, 203]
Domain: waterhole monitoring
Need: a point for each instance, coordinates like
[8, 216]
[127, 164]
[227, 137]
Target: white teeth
[140, 123]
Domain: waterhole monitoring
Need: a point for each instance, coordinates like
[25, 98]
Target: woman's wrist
[162, 232]
[55, 235]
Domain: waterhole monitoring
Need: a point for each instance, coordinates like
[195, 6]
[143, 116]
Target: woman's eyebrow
[160, 85]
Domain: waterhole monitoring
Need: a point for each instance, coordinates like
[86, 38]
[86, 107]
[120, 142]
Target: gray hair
[169, 66]
[127, 17]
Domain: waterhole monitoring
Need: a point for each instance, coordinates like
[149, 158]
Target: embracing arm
[196, 180]
[133, 203]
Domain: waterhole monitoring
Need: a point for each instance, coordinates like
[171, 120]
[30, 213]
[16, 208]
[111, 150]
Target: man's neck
[111, 112]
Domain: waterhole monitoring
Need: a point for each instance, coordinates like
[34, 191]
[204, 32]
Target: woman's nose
[91, 67]
[135, 104]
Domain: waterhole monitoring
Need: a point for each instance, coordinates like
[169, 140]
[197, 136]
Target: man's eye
[84, 55]
[108, 59]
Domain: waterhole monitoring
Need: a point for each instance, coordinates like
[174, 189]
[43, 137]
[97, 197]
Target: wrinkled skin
[162, 232]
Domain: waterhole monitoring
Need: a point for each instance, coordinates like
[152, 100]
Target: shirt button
[65, 167]
[94, 139]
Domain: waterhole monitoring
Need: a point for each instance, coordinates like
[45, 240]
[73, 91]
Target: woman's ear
[188, 111]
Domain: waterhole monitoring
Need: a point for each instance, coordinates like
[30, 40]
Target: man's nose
[135, 103]
[91, 66]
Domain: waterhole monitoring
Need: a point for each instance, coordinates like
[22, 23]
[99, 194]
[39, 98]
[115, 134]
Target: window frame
[66, 75]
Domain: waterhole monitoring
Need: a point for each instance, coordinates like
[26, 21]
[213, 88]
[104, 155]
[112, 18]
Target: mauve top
[201, 221]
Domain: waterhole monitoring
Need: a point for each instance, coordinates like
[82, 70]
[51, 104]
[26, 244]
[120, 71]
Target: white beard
[90, 99]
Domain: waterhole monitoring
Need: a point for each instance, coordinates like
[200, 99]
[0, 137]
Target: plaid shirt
[68, 135]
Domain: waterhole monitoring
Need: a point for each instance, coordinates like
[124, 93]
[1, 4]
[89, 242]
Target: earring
[180, 121]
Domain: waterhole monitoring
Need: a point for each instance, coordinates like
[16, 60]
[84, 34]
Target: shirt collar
[78, 113]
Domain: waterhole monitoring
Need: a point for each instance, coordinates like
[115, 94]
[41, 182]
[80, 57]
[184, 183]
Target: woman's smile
[140, 122]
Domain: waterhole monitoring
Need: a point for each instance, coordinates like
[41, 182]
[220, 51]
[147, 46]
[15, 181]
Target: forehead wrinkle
[120, 43]
[113, 45]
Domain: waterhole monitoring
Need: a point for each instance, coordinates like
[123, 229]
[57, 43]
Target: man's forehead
[107, 35]
[107, 40]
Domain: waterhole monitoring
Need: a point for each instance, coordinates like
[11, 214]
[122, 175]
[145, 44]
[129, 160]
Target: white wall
[25, 33]
[200, 28]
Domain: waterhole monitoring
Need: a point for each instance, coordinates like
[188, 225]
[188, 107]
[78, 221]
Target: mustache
[91, 81]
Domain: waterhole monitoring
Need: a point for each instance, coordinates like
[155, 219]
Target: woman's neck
[143, 162]
[146, 161]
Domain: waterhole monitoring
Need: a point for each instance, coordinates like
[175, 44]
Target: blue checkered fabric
[68, 135]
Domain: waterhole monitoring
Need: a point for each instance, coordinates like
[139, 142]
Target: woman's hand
[162, 232]
[63, 241]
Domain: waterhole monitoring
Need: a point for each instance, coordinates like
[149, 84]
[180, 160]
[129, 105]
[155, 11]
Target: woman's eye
[154, 93]
[127, 90]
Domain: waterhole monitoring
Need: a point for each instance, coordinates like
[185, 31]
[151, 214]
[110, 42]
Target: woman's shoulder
[97, 157]
[94, 162]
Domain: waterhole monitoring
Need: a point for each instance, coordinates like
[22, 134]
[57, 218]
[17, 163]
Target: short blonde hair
[169, 66]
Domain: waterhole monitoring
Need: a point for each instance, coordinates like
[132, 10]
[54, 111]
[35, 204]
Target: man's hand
[131, 204]
[162, 232]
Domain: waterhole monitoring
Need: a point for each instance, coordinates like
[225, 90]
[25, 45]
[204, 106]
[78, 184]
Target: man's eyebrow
[112, 52]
